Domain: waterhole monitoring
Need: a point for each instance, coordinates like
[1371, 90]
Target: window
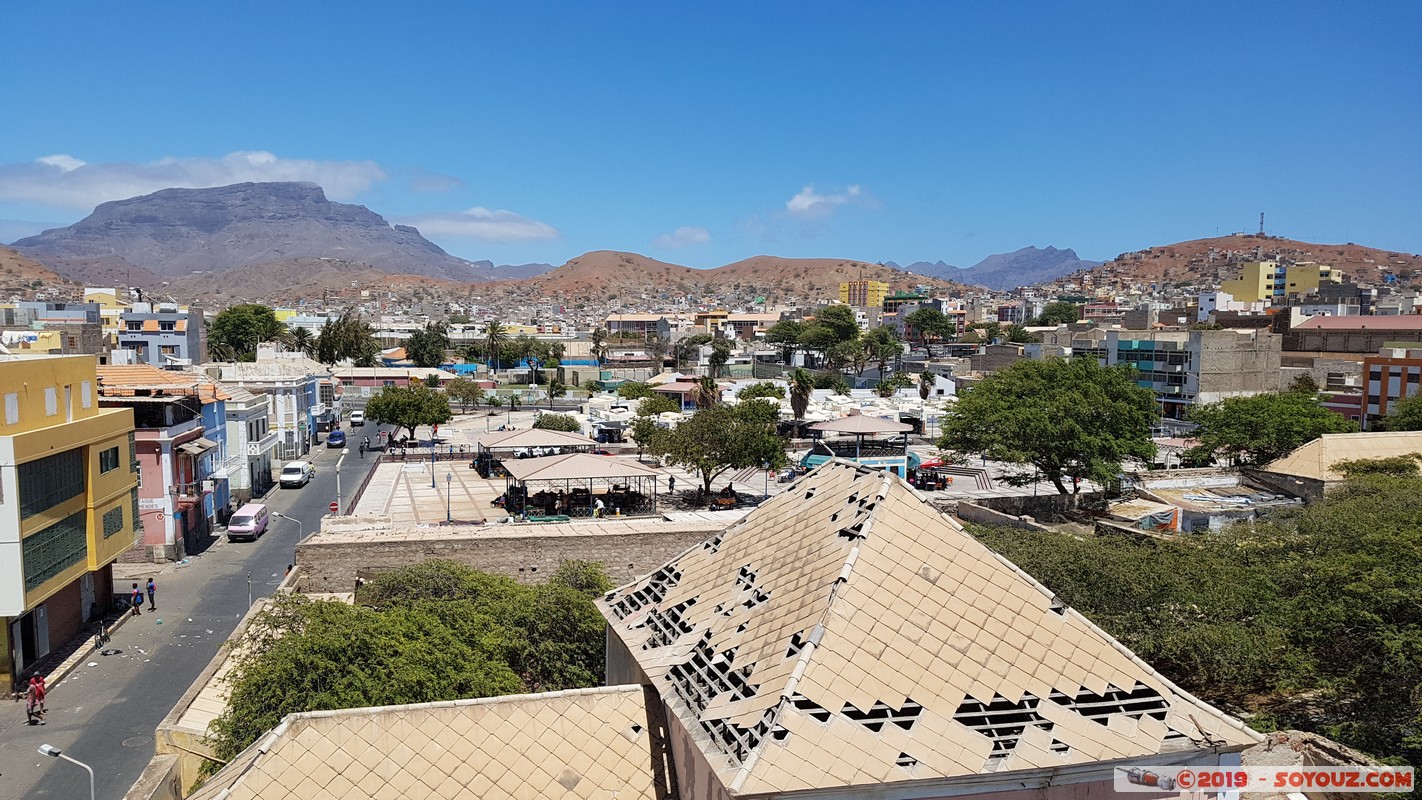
[137, 517]
[168, 349]
[47, 482]
[108, 460]
[54, 549]
[167, 326]
[133, 325]
[51, 400]
[113, 521]
[86, 394]
[12, 408]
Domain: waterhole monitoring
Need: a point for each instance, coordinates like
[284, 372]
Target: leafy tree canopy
[1065, 418]
[236, 332]
[633, 390]
[347, 337]
[434, 631]
[1401, 466]
[654, 404]
[408, 407]
[721, 438]
[426, 348]
[558, 422]
[1404, 415]
[1263, 427]
[1058, 313]
[465, 392]
[762, 389]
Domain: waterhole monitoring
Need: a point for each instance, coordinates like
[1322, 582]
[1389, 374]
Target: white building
[250, 442]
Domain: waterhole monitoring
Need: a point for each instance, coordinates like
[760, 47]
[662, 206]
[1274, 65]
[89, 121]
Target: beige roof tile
[863, 624]
[510, 747]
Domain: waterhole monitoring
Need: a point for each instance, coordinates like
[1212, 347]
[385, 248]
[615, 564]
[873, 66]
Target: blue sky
[706, 133]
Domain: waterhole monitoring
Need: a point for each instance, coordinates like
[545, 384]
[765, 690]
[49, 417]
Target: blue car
[336, 439]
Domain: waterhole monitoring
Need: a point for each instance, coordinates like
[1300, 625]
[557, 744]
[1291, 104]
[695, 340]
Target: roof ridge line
[802, 662]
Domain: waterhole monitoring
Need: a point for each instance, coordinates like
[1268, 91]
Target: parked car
[296, 473]
[249, 522]
[357, 419]
[336, 439]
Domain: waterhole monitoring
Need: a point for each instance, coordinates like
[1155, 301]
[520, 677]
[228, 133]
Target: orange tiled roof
[124, 380]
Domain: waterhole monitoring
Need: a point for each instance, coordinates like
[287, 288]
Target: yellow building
[70, 485]
[111, 309]
[711, 321]
[1266, 281]
[863, 294]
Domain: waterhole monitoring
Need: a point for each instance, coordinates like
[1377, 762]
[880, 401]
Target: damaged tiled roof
[127, 380]
[584, 743]
[846, 633]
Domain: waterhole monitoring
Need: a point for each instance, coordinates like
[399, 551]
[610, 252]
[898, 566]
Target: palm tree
[599, 344]
[220, 351]
[707, 392]
[495, 334]
[657, 349]
[302, 340]
[926, 381]
[720, 354]
[556, 388]
[801, 385]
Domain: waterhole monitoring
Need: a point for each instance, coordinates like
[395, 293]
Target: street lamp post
[54, 752]
[448, 493]
[432, 461]
[765, 465]
[300, 529]
[345, 451]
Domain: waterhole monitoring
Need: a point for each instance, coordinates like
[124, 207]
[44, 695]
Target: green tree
[239, 329]
[1058, 313]
[426, 348]
[723, 437]
[1400, 466]
[556, 389]
[931, 326]
[688, 347]
[634, 390]
[657, 349]
[1017, 334]
[303, 341]
[655, 404]
[1404, 415]
[708, 392]
[801, 386]
[558, 422]
[645, 432]
[599, 345]
[1067, 419]
[761, 389]
[465, 392]
[840, 320]
[409, 407]
[891, 385]
[1262, 427]
[882, 344]
[496, 335]
[348, 337]
[785, 335]
[720, 354]
[926, 383]
[1304, 384]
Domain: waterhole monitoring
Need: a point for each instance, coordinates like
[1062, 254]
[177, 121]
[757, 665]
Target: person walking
[33, 714]
[152, 593]
[136, 600]
[41, 691]
[671, 484]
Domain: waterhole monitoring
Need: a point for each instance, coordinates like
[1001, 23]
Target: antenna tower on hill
[1261, 223]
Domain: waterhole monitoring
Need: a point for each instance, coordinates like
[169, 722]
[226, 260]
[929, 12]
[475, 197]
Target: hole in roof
[1001, 720]
[1139, 702]
[1058, 606]
[1060, 747]
[797, 643]
[816, 711]
[905, 760]
[882, 712]
[636, 728]
[780, 734]
[810, 493]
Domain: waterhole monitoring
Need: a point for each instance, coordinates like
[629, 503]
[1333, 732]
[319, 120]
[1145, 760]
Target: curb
[54, 678]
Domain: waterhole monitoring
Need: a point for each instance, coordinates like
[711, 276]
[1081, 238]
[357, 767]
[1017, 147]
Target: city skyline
[704, 136]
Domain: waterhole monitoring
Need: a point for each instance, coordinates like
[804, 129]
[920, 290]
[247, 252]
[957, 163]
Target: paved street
[105, 715]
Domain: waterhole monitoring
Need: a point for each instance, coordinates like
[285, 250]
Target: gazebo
[570, 486]
[871, 441]
[493, 450]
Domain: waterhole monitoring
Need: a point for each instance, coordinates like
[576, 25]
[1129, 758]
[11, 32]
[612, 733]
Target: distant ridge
[174, 233]
[1025, 267]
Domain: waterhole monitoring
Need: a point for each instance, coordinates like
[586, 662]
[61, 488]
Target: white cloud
[482, 224]
[681, 237]
[63, 181]
[809, 204]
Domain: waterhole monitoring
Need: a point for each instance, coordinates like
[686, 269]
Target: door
[41, 618]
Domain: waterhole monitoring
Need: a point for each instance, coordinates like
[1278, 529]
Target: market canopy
[535, 437]
[576, 467]
[861, 425]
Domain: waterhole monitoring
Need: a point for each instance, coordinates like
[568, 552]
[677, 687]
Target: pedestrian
[671, 484]
[362, 449]
[33, 714]
[152, 591]
[37, 681]
[136, 599]
[598, 508]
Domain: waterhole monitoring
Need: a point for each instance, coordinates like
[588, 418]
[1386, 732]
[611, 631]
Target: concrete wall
[523, 552]
[1232, 364]
[159, 781]
[971, 512]
[1042, 506]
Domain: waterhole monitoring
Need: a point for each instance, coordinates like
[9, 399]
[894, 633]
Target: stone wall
[971, 512]
[331, 562]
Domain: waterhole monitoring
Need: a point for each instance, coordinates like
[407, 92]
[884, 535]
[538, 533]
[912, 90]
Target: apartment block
[68, 503]
[164, 335]
[863, 294]
[1271, 281]
[1392, 375]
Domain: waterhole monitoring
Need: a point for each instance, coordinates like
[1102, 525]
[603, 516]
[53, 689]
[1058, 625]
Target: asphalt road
[105, 715]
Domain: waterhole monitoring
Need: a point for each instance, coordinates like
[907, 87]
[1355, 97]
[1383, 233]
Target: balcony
[262, 445]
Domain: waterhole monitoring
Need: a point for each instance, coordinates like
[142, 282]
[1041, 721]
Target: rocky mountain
[173, 233]
[1208, 262]
[610, 274]
[1024, 267]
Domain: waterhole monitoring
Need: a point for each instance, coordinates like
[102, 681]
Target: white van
[249, 522]
[296, 473]
[357, 419]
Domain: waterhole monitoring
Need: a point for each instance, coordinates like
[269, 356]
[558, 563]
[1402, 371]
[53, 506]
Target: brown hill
[1208, 262]
[20, 274]
[606, 274]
